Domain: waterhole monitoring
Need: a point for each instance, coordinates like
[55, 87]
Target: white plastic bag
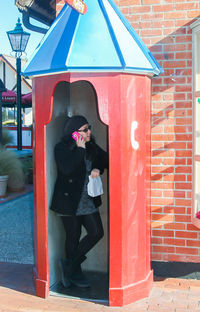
[95, 187]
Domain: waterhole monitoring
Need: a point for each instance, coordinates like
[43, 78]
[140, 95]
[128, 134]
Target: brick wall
[164, 26]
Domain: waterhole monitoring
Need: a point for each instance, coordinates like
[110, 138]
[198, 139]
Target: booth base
[98, 291]
[131, 293]
[41, 286]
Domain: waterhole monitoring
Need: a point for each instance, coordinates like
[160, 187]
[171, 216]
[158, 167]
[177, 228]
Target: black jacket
[71, 171]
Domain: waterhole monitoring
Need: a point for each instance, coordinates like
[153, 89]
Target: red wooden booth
[105, 76]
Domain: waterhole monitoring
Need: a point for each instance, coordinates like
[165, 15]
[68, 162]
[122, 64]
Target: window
[196, 123]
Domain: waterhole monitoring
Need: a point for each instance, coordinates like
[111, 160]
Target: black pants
[76, 249]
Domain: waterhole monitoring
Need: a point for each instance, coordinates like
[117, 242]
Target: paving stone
[16, 241]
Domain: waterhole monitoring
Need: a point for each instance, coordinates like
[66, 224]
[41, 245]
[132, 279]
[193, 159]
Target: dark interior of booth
[78, 98]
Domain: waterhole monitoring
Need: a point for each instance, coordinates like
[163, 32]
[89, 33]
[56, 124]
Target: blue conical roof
[102, 40]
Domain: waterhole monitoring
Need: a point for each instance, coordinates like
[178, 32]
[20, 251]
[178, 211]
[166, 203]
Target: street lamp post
[2, 89]
[18, 40]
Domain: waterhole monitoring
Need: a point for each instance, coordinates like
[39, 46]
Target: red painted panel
[129, 209]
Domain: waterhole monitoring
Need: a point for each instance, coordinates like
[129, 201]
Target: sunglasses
[85, 130]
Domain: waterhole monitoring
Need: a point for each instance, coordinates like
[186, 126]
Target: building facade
[165, 27]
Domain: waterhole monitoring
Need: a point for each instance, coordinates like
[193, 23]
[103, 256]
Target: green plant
[6, 138]
[10, 165]
[27, 164]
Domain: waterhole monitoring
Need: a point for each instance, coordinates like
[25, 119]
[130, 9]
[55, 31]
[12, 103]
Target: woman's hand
[80, 142]
[95, 173]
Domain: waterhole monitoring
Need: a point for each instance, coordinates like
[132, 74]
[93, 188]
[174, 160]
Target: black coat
[71, 169]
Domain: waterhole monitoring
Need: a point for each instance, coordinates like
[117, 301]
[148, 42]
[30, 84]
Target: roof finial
[77, 5]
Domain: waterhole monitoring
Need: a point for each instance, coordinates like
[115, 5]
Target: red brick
[172, 161]
[181, 218]
[163, 137]
[179, 96]
[162, 201]
[189, 194]
[168, 209]
[139, 9]
[129, 2]
[156, 177]
[191, 227]
[151, 32]
[179, 194]
[174, 80]
[175, 47]
[163, 233]
[156, 193]
[164, 249]
[187, 38]
[189, 161]
[184, 71]
[189, 96]
[156, 256]
[174, 64]
[183, 169]
[141, 25]
[162, 185]
[162, 8]
[183, 88]
[192, 14]
[183, 153]
[183, 55]
[157, 129]
[187, 6]
[184, 137]
[181, 129]
[183, 186]
[180, 210]
[156, 224]
[183, 121]
[182, 202]
[162, 169]
[156, 145]
[157, 209]
[174, 241]
[186, 104]
[185, 234]
[174, 177]
[150, 2]
[175, 145]
[175, 15]
[189, 145]
[159, 24]
[193, 243]
[180, 22]
[156, 240]
[175, 226]
[182, 250]
[155, 49]
[156, 161]
[157, 97]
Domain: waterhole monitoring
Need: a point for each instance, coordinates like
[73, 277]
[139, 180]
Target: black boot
[68, 268]
[64, 273]
[78, 278]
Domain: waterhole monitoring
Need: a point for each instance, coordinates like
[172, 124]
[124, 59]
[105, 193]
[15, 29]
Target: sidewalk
[16, 285]
[16, 228]
[167, 295]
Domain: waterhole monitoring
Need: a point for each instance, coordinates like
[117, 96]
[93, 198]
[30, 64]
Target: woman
[77, 160]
